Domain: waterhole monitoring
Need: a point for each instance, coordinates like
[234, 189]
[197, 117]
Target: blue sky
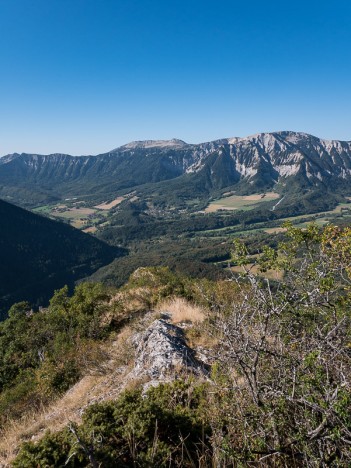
[85, 76]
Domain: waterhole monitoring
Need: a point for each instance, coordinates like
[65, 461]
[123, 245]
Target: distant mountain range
[281, 160]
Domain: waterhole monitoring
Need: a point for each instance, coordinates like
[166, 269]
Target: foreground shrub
[284, 356]
[167, 427]
[43, 353]
[280, 394]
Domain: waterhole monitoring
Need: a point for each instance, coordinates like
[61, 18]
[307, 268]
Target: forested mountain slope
[38, 255]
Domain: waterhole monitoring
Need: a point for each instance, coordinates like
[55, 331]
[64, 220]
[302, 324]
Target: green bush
[43, 353]
[51, 451]
[167, 427]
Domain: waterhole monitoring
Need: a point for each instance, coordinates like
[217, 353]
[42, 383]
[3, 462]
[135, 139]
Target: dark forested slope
[38, 255]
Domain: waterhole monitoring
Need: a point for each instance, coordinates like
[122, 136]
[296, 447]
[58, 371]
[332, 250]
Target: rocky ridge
[156, 352]
[260, 160]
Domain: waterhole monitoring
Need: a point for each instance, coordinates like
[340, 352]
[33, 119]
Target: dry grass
[54, 417]
[182, 310]
[275, 230]
[108, 206]
[90, 389]
[123, 354]
[133, 300]
[91, 229]
[200, 338]
[276, 275]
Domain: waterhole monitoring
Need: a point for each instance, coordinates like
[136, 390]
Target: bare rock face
[162, 354]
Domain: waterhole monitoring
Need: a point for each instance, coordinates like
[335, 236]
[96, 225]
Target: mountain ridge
[262, 160]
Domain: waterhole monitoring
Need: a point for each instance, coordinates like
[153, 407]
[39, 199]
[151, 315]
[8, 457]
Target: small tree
[286, 352]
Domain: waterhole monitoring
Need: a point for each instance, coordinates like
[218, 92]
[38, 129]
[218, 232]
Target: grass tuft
[182, 310]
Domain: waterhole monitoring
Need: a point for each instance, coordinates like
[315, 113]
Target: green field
[77, 215]
[241, 202]
[320, 219]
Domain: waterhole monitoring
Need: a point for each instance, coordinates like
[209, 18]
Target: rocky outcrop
[162, 354]
[158, 354]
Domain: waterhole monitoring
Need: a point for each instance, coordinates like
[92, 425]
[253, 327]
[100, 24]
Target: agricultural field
[75, 214]
[324, 217]
[81, 215]
[241, 202]
[109, 205]
[90, 230]
[275, 227]
[77, 217]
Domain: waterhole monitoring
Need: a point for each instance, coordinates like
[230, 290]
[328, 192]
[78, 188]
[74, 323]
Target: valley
[177, 204]
[175, 234]
[80, 214]
[130, 273]
[76, 214]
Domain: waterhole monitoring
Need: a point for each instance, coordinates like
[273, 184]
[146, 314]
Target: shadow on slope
[39, 255]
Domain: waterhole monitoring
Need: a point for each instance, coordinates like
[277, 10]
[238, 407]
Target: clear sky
[85, 76]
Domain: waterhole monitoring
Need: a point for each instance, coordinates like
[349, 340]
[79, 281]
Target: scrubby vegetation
[279, 389]
[42, 354]
[168, 426]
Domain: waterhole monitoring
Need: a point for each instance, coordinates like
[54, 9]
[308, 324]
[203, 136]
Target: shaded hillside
[38, 255]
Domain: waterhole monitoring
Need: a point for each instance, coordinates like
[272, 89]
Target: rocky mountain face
[285, 154]
[254, 162]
